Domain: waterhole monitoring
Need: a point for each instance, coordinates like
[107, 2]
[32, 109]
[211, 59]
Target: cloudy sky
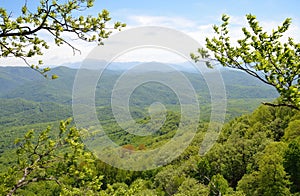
[192, 17]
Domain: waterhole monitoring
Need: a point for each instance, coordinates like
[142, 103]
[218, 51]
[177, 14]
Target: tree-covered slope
[20, 82]
[256, 154]
[35, 102]
[16, 112]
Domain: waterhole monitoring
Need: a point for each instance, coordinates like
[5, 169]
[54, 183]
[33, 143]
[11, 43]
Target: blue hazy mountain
[22, 82]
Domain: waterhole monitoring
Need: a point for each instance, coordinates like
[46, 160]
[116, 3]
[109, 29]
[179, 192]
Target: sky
[192, 17]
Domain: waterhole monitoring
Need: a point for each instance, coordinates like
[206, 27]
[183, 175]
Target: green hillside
[26, 98]
[35, 103]
[19, 112]
[21, 82]
[250, 148]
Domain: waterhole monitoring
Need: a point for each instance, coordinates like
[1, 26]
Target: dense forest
[257, 153]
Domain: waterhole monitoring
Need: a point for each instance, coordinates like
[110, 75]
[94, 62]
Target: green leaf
[53, 77]
[24, 9]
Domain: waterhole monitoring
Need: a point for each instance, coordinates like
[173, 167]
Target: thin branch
[239, 67]
[64, 41]
[24, 59]
[281, 104]
[24, 183]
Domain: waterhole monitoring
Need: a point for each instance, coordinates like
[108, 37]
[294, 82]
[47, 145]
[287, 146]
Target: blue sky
[200, 10]
[193, 17]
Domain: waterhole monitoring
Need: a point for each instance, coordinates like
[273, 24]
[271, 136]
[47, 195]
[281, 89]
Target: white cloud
[171, 22]
[62, 55]
[197, 31]
[150, 55]
[55, 55]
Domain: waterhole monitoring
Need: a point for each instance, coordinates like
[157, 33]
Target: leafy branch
[56, 159]
[19, 38]
[260, 54]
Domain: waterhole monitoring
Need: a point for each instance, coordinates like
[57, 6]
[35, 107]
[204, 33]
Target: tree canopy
[260, 54]
[19, 34]
[61, 159]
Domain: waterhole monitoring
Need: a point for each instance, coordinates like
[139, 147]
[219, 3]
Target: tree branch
[21, 184]
[30, 32]
[280, 105]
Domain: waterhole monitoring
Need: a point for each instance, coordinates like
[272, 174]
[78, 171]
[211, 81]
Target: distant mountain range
[121, 66]
[22, 82]
[25, 94]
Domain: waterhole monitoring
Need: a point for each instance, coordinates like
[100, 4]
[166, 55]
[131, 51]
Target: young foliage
[292, 163]
[271, 178]
[62, 160]
[218, 185]
[260, 54]
[19, 35]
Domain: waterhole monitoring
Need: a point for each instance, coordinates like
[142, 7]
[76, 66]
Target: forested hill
[22, 82]
[49, 100]
[28, 99]
[256, 153]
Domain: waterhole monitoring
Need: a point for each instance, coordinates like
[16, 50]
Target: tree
[191, 187]
[292, 131]
[170, 179]
[62, 159]
[261, 55]
[218, 185]
[271, 178]
[292, 163]
[19, 35]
